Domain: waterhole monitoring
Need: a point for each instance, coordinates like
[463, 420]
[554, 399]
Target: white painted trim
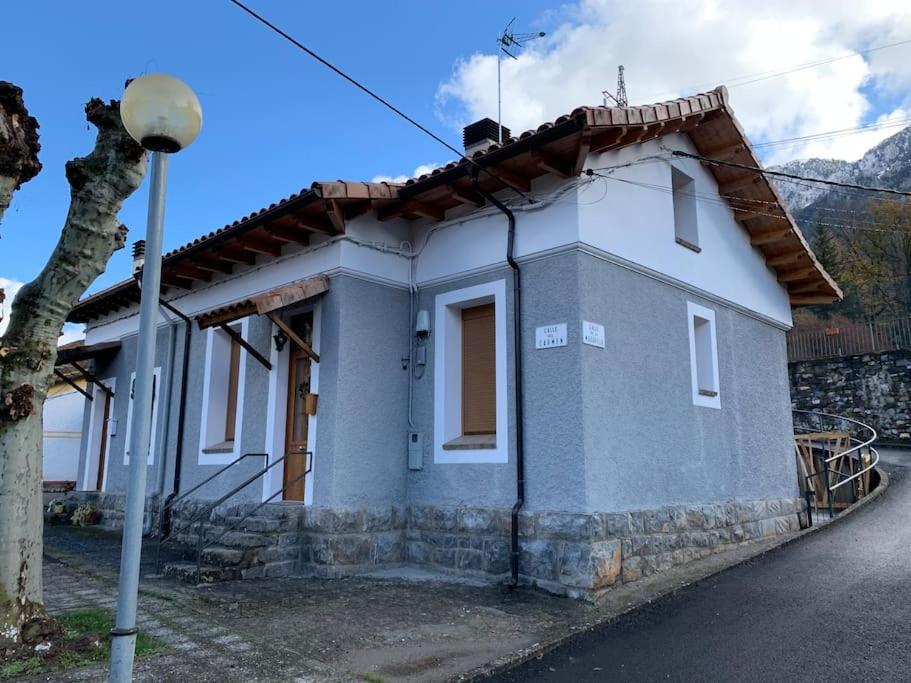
[153, 434]
[277, 412]
[693, 311]
[447, 373]
[96, 415]
[222, 458]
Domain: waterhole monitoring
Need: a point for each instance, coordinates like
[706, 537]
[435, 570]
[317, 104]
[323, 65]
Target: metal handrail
[200, 546]
[853, 453]
[196, 519]
[208, 479]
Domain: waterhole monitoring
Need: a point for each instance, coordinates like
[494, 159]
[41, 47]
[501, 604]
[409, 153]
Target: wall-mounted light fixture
[422, 324]
[280, 340]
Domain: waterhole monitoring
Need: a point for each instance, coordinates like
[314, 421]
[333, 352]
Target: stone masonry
[574, 554]
[874, 388]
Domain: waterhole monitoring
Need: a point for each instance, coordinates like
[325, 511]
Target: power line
[360, 86]
[826, 135]
[783, 71]
[782, 174]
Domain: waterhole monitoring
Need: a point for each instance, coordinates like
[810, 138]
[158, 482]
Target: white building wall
[62, 434]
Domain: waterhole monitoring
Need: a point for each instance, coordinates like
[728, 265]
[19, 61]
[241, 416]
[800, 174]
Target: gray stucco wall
[646, 444]
[359, 457]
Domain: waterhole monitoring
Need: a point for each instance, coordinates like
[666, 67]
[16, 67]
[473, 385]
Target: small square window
[686, 229]
[703, 356]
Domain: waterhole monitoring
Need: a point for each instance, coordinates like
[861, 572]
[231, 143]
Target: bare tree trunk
[99, 183]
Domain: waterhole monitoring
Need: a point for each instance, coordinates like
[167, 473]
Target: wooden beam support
[806, 289]
[510, 178]
[260, 244]
[236, 336]
[410, 206]
[308, 222]
[725, 153]
[738, 183]
[760, 238]
[552, 164]
[603, 141]
[336, 216]
[809, 300]
[286, 233]
[72, 384]
[750, 214]
[786, 259]
[466, 195]
[300, 343]
[175, 280]
[212, 264]
[795, 275]
[93, 379]
[190, 271]
[233, 255]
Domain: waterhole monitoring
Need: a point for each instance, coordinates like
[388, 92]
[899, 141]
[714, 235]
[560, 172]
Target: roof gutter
[517, 383]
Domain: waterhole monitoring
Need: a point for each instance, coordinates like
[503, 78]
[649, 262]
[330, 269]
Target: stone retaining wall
[581, 555]
[109, 505]
[575, 554]
[874, 388]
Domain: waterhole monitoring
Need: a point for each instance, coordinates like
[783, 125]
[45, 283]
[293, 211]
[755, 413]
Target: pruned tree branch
[19, 145]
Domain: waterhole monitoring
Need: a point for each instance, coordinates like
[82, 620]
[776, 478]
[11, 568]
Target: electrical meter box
[415, 451]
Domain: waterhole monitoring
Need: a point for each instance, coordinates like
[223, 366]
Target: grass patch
[86, 640]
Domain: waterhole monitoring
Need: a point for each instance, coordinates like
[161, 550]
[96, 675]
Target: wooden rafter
[213, 264]
[760, 238]
[261, 244]
[336, 216]
[513, 179]
[227, 253]
[785, 259]
[552, 164]
[466, 195]
[73, 384]
[739, 182]
[287, 233]
[191, 271]
[795, 275]
[175, 280]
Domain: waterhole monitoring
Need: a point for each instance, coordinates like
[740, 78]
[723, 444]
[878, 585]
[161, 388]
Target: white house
[560, 361]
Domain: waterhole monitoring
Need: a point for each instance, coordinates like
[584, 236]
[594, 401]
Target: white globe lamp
[161, 113]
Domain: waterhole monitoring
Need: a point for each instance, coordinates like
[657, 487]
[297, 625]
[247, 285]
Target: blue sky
[275, 120]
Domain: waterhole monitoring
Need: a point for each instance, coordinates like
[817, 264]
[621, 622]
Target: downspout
[517, 354]
[164, 510]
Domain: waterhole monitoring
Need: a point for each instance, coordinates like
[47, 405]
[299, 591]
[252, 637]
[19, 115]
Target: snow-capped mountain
[888, 164]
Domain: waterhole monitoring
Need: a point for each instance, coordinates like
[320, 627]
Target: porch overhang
[267, 304]
[78, 352]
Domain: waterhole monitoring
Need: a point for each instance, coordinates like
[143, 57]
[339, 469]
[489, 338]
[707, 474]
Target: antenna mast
[508, 43]
[620, 98]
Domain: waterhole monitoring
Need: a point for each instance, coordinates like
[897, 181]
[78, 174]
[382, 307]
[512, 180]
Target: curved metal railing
[861, 437]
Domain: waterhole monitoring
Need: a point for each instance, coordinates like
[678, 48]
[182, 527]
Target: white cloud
[423, 169]
[71, 332]
[673, 49]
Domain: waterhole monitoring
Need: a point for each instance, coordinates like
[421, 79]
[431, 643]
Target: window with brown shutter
[479, 385]
[233, 380]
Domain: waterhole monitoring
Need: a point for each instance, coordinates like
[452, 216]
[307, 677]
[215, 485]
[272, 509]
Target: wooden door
[102, 451]
[296, 423]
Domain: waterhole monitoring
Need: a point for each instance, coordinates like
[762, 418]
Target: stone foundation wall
[574, 554]
[872, 387]
[582, 555]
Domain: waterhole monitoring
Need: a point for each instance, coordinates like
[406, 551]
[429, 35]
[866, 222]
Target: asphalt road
[834, 606]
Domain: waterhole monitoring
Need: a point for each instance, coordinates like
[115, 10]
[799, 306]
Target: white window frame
[447, 373]
[694, 312]
[93, 439]
[154, 432]
[207, 410]
[686, 212]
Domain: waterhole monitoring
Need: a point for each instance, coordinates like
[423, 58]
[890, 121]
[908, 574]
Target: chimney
[139, 255]
[482, 134]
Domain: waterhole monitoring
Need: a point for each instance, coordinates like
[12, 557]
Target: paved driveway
[834, 606]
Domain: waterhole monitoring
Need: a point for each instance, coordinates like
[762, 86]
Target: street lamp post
[163, 115]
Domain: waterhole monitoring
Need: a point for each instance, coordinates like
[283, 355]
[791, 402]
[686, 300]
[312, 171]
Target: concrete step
[255, 524]
[220, 556]
[186, 572]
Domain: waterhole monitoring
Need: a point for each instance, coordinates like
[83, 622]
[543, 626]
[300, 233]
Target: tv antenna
[620, 98]
[508, 43]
